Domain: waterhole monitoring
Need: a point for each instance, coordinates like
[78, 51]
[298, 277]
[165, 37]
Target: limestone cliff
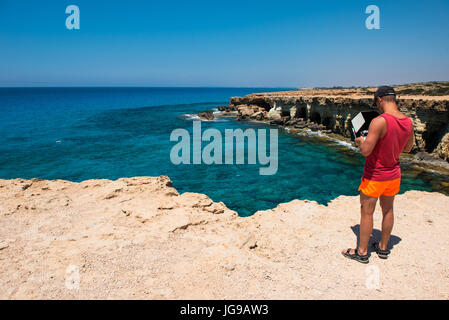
[333, 109]
[138, 238]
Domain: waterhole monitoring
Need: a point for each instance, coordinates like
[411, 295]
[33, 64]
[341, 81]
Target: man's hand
[358, 142]
[377, 129]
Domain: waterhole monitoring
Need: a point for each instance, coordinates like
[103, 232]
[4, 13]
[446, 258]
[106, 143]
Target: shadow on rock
[375, 237]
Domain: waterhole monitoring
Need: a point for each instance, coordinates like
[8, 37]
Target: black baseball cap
[382, 92]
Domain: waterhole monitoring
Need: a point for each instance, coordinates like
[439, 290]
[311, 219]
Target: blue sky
[222, 43]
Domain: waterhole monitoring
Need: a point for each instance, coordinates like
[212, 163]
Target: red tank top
[383, 163]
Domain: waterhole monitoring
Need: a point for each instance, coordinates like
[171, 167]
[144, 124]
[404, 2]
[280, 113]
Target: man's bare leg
[386, 203]
[367, 206]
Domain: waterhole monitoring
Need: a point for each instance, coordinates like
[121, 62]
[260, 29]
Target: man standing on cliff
[389, 134]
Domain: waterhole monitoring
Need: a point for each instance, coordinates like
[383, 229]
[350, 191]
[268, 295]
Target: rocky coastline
[138, 238]
[330, 111]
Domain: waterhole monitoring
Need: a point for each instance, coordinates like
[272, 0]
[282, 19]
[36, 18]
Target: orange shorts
[376, 189]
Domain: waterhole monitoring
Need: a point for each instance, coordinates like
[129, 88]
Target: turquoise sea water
[87, 133]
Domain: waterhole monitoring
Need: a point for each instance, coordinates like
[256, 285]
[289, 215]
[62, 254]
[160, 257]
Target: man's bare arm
[375, 132]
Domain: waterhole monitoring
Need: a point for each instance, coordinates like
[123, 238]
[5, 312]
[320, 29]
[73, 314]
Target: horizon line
[217, 87]
[161, 87]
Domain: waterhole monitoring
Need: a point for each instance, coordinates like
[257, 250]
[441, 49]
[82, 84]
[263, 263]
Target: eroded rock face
[138, 238]
[274, 114]
[249, 110]
[443, 148]
[334, 109]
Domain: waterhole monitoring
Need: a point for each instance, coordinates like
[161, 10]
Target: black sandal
[383, 254]
[356, 256]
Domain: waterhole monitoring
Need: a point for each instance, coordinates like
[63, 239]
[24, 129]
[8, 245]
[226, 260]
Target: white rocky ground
[137, 238]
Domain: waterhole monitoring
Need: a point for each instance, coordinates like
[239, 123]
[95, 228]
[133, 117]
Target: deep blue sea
[87, 133]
